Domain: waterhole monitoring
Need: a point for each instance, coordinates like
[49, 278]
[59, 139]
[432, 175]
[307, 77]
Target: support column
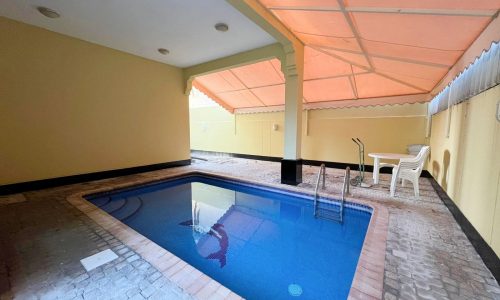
[293, 69]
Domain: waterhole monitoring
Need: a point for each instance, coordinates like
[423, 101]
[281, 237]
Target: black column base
[291, 171]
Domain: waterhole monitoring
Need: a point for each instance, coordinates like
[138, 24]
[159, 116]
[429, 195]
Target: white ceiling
[140, 27]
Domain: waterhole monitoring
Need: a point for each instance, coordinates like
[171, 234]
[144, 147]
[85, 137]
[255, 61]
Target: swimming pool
[257, 242]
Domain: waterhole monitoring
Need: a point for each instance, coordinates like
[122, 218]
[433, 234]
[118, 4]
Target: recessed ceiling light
[163, 51]
[49, 13]
[221, 27]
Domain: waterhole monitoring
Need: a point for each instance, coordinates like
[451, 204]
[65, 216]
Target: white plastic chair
[409, 169]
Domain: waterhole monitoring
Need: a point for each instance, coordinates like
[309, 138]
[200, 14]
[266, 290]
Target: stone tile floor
[43, 239]
[42, 242]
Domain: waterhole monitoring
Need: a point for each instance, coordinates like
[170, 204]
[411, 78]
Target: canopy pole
[293, 68]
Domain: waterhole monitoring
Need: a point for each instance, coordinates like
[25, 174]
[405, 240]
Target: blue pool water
[259, 243]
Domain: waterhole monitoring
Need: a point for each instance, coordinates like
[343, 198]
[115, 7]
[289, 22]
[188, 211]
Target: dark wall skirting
[489, 257]
[59, 181]
[291, 171]
[237, 155]
[328, 164]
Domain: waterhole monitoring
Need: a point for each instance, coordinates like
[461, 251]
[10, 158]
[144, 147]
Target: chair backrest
[422, 156]
[416, 163]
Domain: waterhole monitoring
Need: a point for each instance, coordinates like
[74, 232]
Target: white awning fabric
[482, 74]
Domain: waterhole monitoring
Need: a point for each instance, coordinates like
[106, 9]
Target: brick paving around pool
[43, 238]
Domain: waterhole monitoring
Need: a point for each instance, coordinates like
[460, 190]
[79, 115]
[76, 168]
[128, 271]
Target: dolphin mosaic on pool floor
[43, 239]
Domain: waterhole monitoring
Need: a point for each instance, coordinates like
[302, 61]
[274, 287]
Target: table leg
[376, 162]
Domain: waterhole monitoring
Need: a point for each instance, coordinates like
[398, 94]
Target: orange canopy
[359, 49]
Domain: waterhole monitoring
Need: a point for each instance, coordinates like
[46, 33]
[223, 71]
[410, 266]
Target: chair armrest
[409, 164]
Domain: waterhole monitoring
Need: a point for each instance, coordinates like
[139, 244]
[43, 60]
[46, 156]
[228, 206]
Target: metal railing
[322, 171]
[345, 191]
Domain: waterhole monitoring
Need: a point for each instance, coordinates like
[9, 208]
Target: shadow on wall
[446, 168]
[435, 169]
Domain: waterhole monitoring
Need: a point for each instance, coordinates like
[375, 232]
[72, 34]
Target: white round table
[389, 156]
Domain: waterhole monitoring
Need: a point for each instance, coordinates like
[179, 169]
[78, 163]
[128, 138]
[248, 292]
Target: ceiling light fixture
[222, 27]
[163, 51]
[49, 13]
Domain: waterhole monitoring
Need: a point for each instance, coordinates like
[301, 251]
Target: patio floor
[43, 237]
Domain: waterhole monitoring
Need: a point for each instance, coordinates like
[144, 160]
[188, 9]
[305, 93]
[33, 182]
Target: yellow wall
[382, 129]
[215, 129]
[467, 162]
[328, 136]
[70, 107]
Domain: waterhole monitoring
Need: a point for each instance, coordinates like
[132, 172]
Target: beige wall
[215, 129]
[326, 136]
[467, 162]
[381, 128]
[70, 107]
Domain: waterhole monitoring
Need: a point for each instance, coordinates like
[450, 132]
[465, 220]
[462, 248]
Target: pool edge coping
[368, 278]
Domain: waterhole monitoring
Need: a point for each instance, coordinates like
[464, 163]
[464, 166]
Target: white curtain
[481, 75]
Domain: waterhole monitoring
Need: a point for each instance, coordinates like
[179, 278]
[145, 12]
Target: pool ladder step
[331, 210]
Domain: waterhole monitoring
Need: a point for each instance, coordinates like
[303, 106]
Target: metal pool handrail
[345, 190]
[322, 171]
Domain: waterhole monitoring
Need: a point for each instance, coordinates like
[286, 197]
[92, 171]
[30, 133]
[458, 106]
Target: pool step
[113, 205]
[131, 207]
[100, 202]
